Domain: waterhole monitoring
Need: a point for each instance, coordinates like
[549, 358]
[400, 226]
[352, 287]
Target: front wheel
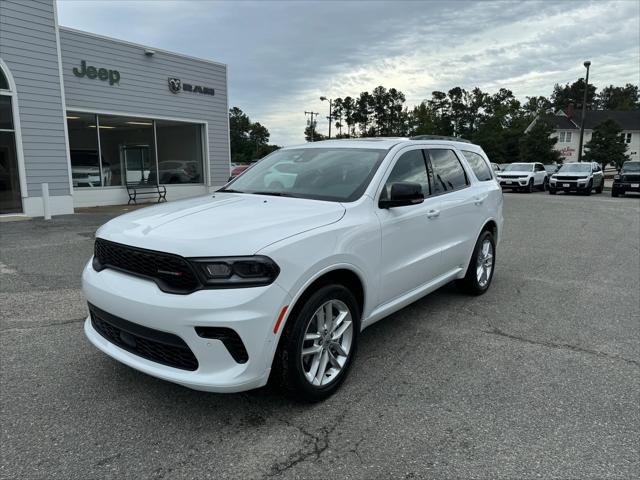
[552, 191]
[530, 187]
[480, 270]
[589, 188]
[600, 188]
[318, 344]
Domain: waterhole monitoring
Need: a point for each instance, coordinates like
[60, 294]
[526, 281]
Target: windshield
[519, 167]
[575, 167]
[334, 174]
[631, 167]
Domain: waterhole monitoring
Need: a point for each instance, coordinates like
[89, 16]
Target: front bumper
[626, 186]
[569, 185]
[514, 183]
[250, 312]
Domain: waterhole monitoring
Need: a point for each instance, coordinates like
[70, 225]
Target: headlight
[616, 177]
[236, 272]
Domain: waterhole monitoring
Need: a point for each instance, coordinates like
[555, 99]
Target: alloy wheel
[484, 263]
[327, 343]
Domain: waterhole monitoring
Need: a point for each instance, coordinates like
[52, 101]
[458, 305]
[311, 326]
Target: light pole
[323, 98]
[587, 64]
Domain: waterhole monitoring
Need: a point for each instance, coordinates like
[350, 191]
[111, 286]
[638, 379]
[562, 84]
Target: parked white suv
[221, 292]
[524, 176]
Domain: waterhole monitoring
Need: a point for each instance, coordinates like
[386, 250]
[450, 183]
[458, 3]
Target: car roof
[385, 143]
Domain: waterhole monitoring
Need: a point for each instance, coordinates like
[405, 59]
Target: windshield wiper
[274, 194]
[229, 190]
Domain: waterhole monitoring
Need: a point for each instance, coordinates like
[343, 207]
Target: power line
[311, 124]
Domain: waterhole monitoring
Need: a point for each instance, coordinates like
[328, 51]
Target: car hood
[224, 224]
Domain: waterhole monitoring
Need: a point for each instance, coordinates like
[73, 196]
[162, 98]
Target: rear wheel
[318, 344]
[480, 270]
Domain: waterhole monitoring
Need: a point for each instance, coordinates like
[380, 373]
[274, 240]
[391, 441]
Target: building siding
[28, 45]
[143, 88]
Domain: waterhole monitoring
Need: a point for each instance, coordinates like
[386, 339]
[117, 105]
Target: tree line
[496, 121]
[248, 140]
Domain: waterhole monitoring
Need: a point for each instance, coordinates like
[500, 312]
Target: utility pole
[323, 98]
[312, 125]
[587, 64]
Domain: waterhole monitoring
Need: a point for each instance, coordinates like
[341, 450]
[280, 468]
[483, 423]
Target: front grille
[631, 177]
[568, 179]
[172, 273]
[154, 345]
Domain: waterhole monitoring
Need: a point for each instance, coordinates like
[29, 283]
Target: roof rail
[439, 137]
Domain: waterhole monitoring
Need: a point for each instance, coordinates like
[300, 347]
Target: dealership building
[86, 115]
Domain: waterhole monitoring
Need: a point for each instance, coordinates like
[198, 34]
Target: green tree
[619, 98]
[248, 141]
[537, 144]
[562, 96]
[606, 145]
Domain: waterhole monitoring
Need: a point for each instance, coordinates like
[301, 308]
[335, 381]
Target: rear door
[461, 203]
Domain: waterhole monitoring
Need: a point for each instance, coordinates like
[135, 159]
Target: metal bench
[144, 189]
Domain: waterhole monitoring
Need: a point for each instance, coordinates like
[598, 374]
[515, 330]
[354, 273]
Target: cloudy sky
[283, 55]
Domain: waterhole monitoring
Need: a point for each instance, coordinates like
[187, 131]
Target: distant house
[567, 129]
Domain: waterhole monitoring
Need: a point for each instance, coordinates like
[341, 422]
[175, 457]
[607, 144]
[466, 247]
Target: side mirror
[403, 194]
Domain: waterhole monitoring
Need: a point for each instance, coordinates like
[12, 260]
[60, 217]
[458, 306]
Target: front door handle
[479, 200]
[433, 213]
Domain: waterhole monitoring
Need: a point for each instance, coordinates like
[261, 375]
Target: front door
[411, 237]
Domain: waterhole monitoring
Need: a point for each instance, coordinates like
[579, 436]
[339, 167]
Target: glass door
[10, 199]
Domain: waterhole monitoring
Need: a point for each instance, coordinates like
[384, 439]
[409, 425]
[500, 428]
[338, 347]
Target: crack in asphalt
[562, 346]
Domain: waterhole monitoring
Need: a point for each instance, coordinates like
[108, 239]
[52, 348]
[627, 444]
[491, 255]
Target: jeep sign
[100, 73]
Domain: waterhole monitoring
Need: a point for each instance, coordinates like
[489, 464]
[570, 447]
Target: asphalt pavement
[539, 378]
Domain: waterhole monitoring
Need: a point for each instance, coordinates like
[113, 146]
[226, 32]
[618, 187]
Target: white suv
[524, 176]
[222, 292]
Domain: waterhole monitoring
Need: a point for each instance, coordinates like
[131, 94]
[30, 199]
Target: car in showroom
[581, 177]
[523, 176]
[227, 291]
[627, 179]
[86, 170]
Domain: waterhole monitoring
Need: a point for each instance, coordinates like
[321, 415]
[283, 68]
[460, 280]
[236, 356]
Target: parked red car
[238, 170]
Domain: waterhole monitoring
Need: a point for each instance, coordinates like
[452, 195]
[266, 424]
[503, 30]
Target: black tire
[601, 187]
[552, 191]
[544, 185]
[287, 372]
[470, 284]
[589, 188]
[614, 193]
[530, 187]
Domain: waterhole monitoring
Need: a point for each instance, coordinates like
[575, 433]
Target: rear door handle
[433, 213]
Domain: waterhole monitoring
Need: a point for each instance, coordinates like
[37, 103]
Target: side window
[539, 168]
[478, 165]
[410, 167]
[448, 173]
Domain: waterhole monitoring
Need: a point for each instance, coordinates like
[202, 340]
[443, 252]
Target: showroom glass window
[134, 150]
[180, 152]
[127, 147]
[87, 169]
[10, 199]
